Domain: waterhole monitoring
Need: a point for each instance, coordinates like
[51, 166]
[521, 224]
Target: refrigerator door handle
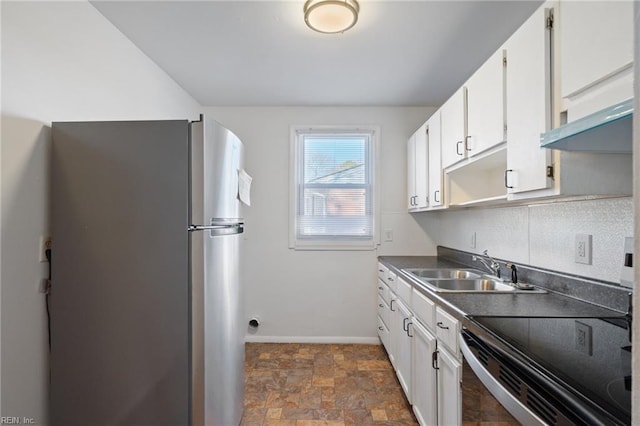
[226, 229]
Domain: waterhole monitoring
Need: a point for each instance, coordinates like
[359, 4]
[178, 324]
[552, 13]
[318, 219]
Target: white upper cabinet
[596, 55]
[528, 94]
[485, 105]
[411, 172]
[453, 123]
[436, 191]
[417, 170]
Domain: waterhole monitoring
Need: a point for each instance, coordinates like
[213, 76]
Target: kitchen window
[333, 196]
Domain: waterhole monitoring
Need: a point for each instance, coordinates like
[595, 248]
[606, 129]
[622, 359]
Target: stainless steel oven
[550, 371]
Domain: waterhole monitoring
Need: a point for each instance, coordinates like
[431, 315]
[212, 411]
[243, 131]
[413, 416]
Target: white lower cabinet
[403, 349]
[383, 333]
[423, 375]
[421, 342]
[448, 385]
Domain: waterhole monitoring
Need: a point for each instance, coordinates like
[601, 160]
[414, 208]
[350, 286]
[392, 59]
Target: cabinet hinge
[550, 172]
[550, 20]
[504, 61]
[505, 127]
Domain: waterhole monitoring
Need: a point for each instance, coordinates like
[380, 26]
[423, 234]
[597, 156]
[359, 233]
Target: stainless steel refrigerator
[146, 297]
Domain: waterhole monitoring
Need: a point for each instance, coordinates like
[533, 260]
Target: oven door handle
[508, 401]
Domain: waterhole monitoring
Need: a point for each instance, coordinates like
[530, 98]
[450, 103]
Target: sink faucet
[488, 262]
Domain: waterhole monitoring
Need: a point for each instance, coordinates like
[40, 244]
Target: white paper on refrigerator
[244, 187]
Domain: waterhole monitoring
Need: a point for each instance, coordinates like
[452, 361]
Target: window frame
[296, 158]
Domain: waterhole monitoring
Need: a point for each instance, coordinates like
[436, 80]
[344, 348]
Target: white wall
[60, 61]
[317, 295]
[543, 235]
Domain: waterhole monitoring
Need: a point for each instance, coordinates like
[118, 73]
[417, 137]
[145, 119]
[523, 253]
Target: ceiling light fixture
[331, 16]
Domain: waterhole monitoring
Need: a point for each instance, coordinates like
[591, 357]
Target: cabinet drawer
[383, 333]
[383, 310]
[383, 291]
[390, 279]
[403, 290]
[447, 329]
[382, 271]
[424, 309]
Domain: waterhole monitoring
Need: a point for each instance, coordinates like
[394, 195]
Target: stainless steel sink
[453, 280]
[440, 274]
[475, 285]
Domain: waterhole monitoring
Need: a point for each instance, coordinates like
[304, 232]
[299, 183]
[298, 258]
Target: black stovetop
[591, 356]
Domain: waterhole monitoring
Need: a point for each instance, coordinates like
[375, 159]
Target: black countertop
[550, 304]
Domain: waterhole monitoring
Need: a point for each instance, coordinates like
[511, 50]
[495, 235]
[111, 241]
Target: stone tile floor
[312, 384]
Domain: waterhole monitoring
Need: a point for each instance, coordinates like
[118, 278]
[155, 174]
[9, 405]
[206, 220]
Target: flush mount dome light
[331, 16]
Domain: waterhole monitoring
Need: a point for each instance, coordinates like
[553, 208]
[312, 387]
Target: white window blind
[333, 181]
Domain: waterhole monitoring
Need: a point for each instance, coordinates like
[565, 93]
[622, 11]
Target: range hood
[606, 131]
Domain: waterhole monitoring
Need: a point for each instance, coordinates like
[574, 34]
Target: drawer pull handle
[434, 361]
[380, 270]
[381, 305]
[391, 305]
[404, 324]
[439, 324]
[408, 333]
[390, 279]
[380, 288]
[380, 328]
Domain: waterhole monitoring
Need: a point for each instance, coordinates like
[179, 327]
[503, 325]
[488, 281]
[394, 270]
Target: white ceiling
[260, 53]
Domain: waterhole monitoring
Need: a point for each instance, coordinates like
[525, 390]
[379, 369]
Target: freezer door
[120, 296]
[216, 159]
[218, 335]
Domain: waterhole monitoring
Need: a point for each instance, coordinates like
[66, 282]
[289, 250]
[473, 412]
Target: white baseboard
[314, 339]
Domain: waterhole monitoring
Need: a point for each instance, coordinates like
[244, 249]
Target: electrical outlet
[45, 243]
[473, 240]
[583, 249]
[388, 235]
[583, 338]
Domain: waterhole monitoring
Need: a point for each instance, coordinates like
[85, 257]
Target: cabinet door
[485, 105]
[436, 194]
[453, 123]
[395, 329]
[528, 103]
[422, 167]
[449, 393]
[596, 54]
[403, 352]
[411, 172]
[423, 375]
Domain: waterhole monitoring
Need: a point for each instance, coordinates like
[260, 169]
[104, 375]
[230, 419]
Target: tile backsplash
[543, 235]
